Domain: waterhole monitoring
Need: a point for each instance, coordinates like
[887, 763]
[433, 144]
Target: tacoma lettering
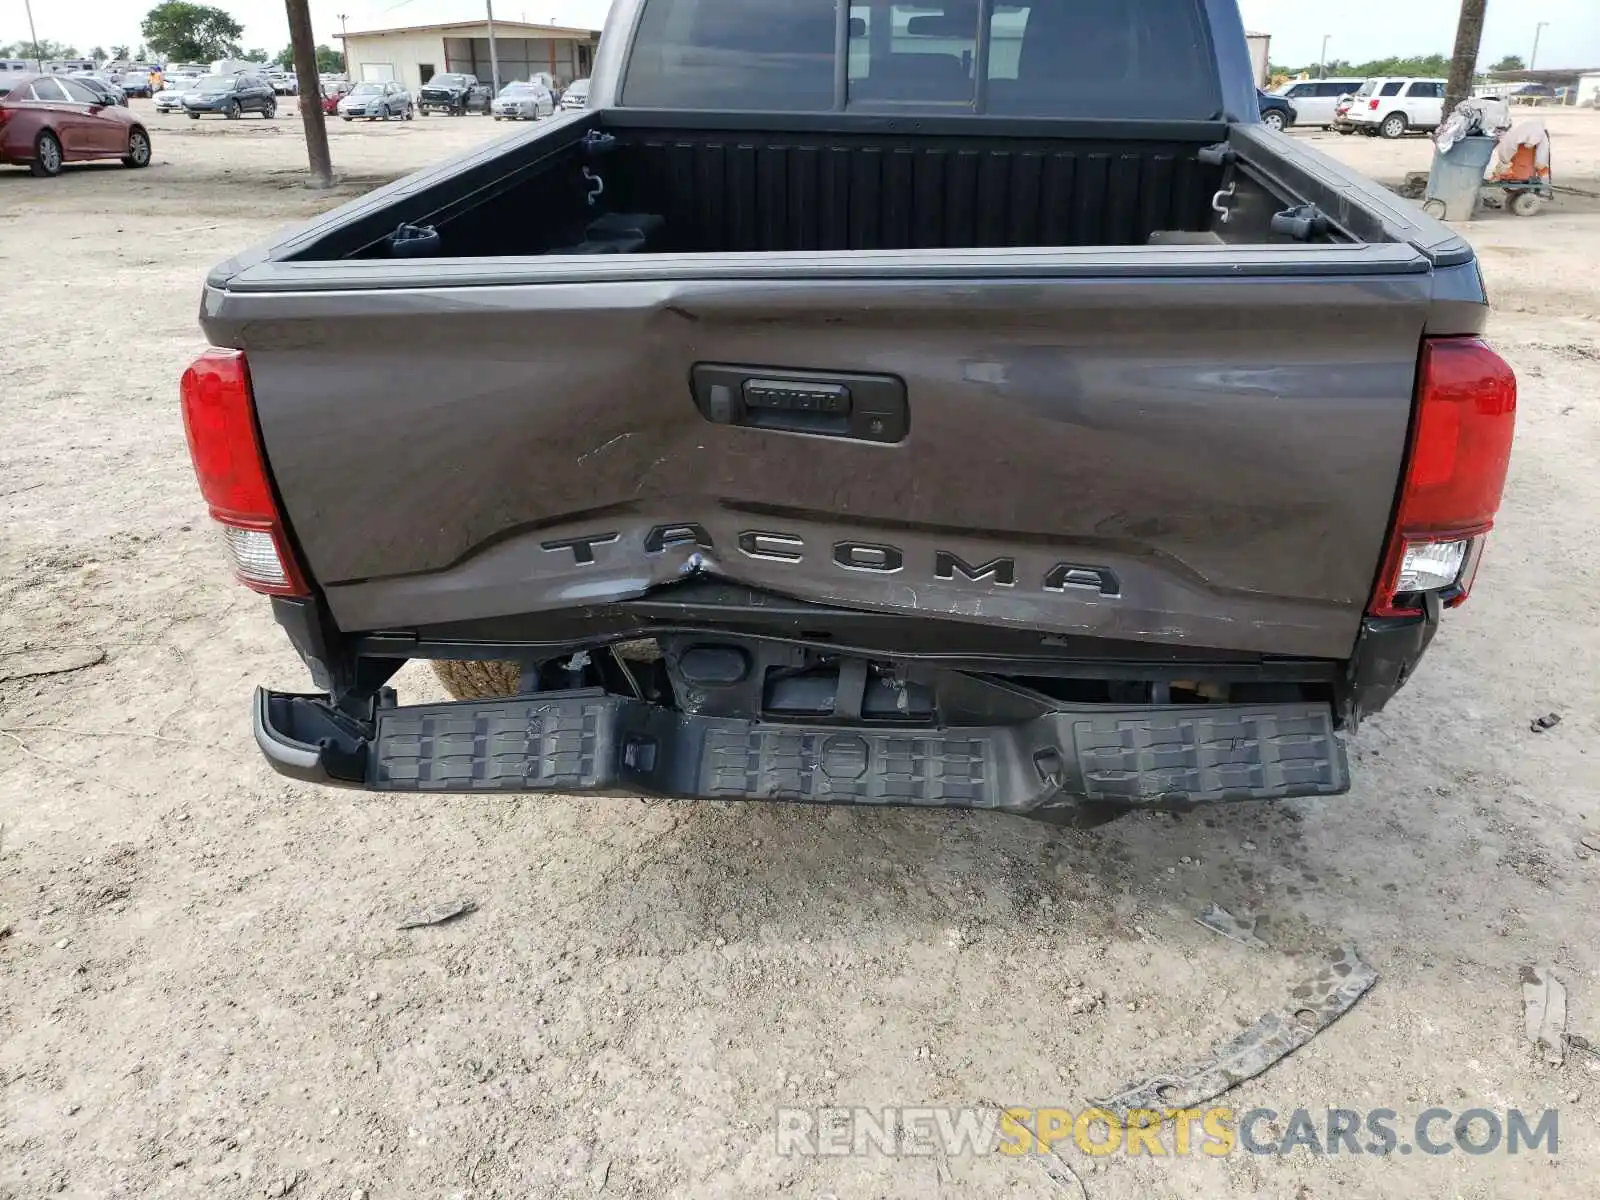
[1002, 570]
[871, 557]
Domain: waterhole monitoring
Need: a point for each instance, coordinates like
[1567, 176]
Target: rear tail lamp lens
[1454, 474]
[1427, 566]
[1372, 106]
[225, 446]
[256, 558]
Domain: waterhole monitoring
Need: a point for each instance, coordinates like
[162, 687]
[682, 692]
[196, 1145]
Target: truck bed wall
[819, 192]
[724, 191]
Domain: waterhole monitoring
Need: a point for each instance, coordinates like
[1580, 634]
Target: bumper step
[1159, 757]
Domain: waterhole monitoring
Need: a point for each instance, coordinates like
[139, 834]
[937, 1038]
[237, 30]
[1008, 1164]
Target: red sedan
[47, 120]
[332, 93]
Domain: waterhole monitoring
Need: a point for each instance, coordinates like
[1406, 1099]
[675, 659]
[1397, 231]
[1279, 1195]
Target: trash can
[1456, 176]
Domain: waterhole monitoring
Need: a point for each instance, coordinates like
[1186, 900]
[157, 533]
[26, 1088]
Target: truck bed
[855, 183]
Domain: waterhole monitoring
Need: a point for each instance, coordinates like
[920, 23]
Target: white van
[1314, 99]
[1392, 107]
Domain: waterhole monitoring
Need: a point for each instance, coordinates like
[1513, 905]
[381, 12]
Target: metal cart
[1525, 185]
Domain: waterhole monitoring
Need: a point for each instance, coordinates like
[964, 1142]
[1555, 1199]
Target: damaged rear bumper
[1166, 756]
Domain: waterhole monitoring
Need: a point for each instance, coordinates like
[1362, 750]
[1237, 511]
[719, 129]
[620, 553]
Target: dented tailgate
[1205, 455]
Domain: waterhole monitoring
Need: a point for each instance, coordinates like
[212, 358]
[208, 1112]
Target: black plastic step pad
[593, 742]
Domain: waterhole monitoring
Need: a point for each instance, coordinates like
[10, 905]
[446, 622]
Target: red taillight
[1372, 105]
[1455, 471]
[219, 418]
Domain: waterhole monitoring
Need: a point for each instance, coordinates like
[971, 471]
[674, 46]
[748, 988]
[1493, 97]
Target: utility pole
[494, 55]
[1464, 58]
[1322, 63]
[344, 44]
[38, 63]
[305, 70]
[1533, 58]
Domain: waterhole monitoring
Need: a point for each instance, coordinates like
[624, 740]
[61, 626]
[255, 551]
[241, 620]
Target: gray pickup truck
[972, 405]
[455, 94]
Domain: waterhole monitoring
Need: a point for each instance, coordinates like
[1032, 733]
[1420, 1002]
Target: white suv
[1392, 107]
[1315, 99]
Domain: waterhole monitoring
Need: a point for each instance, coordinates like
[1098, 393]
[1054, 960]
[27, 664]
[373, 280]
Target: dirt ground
[203, 992]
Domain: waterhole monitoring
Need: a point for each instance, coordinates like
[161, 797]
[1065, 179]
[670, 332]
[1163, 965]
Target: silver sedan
[170, 97]
[377, 101]
[523, 102]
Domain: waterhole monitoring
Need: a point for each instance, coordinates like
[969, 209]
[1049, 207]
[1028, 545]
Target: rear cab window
[1140, 59]
[1367, 88]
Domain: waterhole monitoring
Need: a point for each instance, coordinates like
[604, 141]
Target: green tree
[254, 55]
[329, 60]
[119, 54]
[190, 32]
[1426, 64]
[45, 49]
[1511, 62]
[98, 53]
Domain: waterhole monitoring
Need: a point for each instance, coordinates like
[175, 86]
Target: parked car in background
[231, 96]
[1390, 107]
[455, 94]
[1314, 100]
[333, 91]
[108, 92]
[1533, 93]
[576, 95]
[1276, 112]
[136, 81]
[377, 102]
[235, 66]
[170, 98]
[283, 83]
[523, 102]
[48, 120]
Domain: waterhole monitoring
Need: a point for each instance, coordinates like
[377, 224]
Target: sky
[1360, 29]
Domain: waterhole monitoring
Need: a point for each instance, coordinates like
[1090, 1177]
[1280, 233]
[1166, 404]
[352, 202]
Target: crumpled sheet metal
[1544, 1001]
[1311, 1008]
[437, 914]
[1239, 929]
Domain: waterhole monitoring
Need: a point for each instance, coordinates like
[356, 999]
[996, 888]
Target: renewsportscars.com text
[1213, 1131]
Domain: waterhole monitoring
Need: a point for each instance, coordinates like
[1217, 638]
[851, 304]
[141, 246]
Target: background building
[413, 54]
[1260, 45]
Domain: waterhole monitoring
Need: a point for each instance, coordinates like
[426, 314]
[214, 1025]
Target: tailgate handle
[869, 408]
